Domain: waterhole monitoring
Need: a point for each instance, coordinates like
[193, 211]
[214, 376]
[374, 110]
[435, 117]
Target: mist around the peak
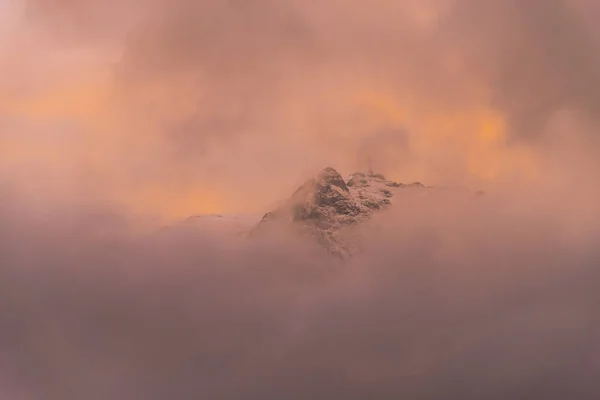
[120, 116]
[453, 296]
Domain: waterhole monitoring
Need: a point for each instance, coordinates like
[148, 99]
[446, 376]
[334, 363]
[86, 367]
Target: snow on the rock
[325, 207]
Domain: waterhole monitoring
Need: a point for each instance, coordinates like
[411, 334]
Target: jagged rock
[325, 206]
[325, 209]
[372, 190]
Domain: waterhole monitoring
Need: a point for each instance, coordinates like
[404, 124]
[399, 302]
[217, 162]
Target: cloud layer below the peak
[452, 297]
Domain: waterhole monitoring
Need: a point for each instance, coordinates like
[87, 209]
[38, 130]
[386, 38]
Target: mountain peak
[329, 176]
[326, 205]
[324, 199]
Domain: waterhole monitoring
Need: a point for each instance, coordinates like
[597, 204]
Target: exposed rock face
[325, 209]
[325, 206]
[372, 191]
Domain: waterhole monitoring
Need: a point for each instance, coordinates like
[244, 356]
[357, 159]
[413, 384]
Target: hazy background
[116, 113]
[183, 107]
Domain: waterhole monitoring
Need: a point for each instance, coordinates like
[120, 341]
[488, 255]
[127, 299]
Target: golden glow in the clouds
[383, 107]
[174, 203]
[475, 137]
[490, 157]
[115, 142]
[471, 137]
[79, 101]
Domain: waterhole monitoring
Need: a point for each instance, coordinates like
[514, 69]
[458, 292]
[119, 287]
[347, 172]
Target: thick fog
[451, 297]
[175, 107]
[120, 116]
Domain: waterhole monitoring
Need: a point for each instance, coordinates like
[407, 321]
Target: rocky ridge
[325, 207]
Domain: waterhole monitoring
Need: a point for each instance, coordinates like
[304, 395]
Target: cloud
[186, 107]
[193, 93]
[538, 57]
[455, 297]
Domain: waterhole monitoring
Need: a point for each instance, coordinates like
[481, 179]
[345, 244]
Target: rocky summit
[324, 207]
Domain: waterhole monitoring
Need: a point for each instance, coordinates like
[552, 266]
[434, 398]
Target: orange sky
[204, 107]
